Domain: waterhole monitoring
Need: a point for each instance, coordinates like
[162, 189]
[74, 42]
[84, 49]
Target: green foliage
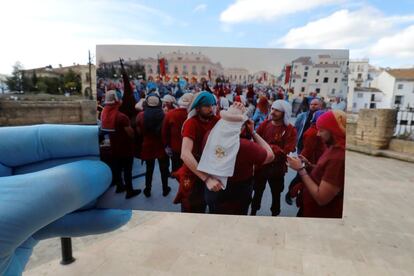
[15, 82]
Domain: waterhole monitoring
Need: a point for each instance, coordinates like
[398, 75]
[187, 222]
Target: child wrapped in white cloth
[223, 143]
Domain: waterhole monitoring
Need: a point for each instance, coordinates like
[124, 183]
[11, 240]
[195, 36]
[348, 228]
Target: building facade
[365, 97]
[325, 75]
[397, 86]
[193, 66]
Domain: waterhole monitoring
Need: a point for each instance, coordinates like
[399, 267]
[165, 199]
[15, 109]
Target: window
[317, 80]
[365, 105]
[400, 86]
[303, 89]
[326, 70]
[194, 71]
[306, 68]
[354, 105]
[336, 71]
[203, 70]
[317, 73]
[304, 80]
[333, 91]
[325, 80]
[360, 95]
[398, 100]
[305, 74]
[373, 105]
[294, 80]
[318, 90]
[335, 80]
[175, 69]
[359, 76]
[372, 97]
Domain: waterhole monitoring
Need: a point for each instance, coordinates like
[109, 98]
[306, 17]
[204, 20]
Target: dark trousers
[276, 183]
[122, 165]
[176, 161]
[234, 200]
[163, 165]
[195, 203]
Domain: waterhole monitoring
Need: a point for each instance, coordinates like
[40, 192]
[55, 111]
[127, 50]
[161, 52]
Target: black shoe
[253, 212]
[288, 199]
[120, 189]
[275, 214]
[147, 192]
[132, 193]
[166, 191]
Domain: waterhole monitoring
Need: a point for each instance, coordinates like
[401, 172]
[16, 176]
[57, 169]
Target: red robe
[282, 140]
[313, 148]
[152, 146]
[195, 129]
[171, 128]
[331, 168]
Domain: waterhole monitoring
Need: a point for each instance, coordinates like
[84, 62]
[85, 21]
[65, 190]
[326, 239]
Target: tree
[34, 80]
[15, 82]
[72, 82]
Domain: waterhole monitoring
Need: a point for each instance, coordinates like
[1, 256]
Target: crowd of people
[224, 143]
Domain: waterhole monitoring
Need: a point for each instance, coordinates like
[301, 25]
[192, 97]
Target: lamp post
[90, 77]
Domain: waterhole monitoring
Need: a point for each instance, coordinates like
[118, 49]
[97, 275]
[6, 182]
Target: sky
[43, 32]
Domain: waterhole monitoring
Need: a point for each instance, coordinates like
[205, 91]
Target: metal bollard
[67, 258]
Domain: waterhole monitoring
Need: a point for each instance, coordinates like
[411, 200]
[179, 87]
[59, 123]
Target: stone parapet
[15, 113]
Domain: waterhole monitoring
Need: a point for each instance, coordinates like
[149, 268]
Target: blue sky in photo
[39, 33]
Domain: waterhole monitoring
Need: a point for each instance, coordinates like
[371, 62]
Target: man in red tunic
[324, 186]
[281, 136]
[193, 182]
[122, 145]
[236, 197]
[149, 125]
[171, 130]
[313, 148]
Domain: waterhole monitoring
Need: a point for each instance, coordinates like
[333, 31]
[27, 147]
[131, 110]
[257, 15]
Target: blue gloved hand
[47, 200]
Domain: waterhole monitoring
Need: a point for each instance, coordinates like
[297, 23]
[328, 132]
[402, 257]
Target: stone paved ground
[375, 237]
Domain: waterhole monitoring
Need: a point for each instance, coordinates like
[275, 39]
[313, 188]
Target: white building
[357, 78]
[397, 86]
[326, 76]
[236, 75]
[365, 97]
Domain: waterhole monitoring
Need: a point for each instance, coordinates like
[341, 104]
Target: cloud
[399, 45]
[367, 32]
[343, 29]
[265, 10]
[61, 32]
[199, 8]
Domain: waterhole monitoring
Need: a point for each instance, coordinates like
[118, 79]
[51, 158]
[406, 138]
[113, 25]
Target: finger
[31, 201]
[95, 221]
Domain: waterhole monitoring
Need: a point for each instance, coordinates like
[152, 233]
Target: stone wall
[14, 113]
[402, 146]
[375, 128]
